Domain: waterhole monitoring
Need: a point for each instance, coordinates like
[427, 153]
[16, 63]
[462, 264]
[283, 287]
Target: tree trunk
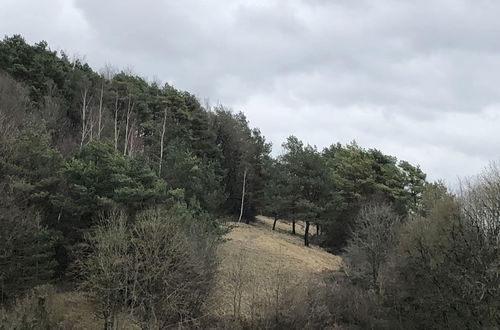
[126, 127]
[84, 116]
[274, 223]
[293, 227]
[243, 193]
[161, 140]
[131, 139]
[306, 234]
[317, 229]
[99, 128]
[108, 323]
[91, 120]
[116, 122]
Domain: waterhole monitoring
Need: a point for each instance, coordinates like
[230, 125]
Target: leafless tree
[480, 199]
[86, 99]
[371, 241]
[116, 129]
[243, 194]
[130, 110]
[162, 138]
[154, 270]
[107, 74]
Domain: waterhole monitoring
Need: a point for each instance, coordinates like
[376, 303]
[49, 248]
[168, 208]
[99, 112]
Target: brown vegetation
[265, 274]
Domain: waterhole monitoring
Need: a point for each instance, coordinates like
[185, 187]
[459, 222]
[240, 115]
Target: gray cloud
[417, 79]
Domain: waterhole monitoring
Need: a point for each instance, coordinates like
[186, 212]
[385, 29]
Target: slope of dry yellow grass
[258, 265]
[266, 245]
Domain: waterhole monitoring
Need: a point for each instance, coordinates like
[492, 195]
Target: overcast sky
[417, 79]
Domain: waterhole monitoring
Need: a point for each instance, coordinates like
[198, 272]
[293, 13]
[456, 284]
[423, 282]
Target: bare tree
[158, 270]
[162, 139]
[243, 194]
[237, 278]
[480, 199]
[107, 269]
[116, 130]
[130, 110]
[99, 126]
[85, 112]
[371, 241]
[131, 139]
[107, 74]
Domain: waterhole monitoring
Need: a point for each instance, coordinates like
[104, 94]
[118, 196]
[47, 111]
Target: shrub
[159, 269]
[35, 310]
[447, 266]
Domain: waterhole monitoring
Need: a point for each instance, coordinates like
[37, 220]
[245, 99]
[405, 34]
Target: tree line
[328, 188]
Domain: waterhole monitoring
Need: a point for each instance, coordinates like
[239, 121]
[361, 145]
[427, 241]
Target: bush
[447, 264]
[370, 244]
[435, 271]
[30, 311]
[159, 269]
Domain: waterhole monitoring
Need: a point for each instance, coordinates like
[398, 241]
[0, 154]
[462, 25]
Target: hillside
[261, 268]
[261, 271]
[268, 247]
[114, 191]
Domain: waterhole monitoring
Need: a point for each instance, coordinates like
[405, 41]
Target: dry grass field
[269, 247]
[261, 268]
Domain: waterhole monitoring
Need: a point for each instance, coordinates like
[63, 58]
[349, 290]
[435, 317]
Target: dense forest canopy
[105, 168]
[112, 138]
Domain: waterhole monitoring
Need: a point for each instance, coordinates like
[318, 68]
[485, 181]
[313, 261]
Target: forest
[122, 190]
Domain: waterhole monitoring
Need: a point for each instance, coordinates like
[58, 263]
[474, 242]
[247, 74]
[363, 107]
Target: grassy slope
[262, 263]
[268, 246]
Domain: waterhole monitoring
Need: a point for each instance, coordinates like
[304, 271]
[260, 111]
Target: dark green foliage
[75, 143]
[27, 250]
[329, 188]
[198, 179]
[243, 150]
[432, 193]
[38, 67]
[362, 176]
[32, 169]
[99, 178]
[310, 186]
[414, 182]
[79, 105]
[275, 198]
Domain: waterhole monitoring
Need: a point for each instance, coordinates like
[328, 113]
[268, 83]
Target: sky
[419, 80]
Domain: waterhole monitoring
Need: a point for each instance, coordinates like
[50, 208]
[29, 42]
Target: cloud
[417, 79]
